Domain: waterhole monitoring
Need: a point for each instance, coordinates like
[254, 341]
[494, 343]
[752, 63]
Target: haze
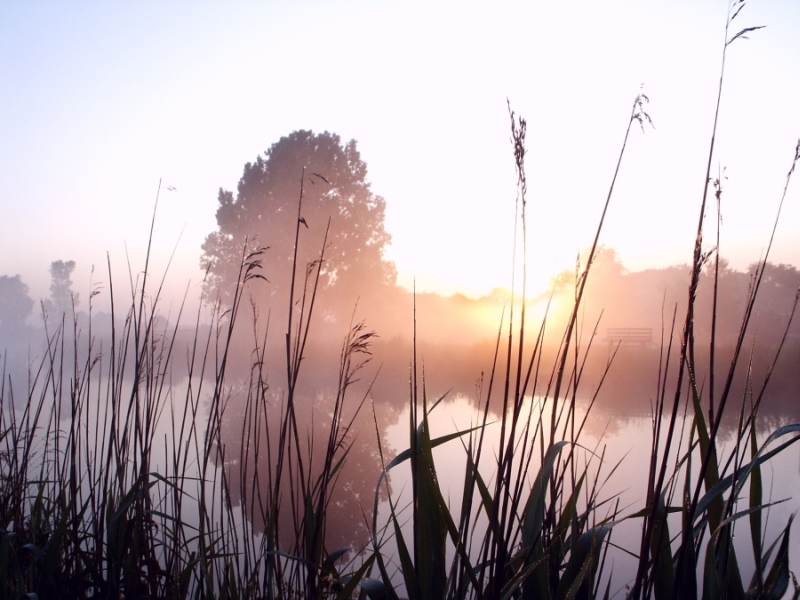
[267, 267]
[98, 105]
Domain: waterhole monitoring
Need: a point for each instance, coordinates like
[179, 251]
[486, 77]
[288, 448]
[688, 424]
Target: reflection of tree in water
[307, 203]
[250, 437]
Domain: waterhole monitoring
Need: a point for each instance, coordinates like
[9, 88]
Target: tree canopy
[15, 304]
[62, 297]
[263, 211]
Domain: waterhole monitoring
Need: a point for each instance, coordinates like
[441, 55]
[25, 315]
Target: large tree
[264, 208]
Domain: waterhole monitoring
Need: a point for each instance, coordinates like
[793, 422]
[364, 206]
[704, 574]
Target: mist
[400, 301]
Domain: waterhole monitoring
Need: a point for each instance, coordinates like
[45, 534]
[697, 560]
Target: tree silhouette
[264, 212]
[15, 305]
[61, 294]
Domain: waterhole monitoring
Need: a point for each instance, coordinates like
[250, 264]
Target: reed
[117, 481]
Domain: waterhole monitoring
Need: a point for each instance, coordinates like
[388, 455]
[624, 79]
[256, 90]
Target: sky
[100, 101]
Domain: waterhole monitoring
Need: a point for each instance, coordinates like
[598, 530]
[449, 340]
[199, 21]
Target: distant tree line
[16, 305]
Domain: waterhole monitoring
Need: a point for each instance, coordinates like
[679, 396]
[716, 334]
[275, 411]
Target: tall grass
[116, 480]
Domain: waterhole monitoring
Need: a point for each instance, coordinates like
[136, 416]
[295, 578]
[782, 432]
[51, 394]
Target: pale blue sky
[99, 100]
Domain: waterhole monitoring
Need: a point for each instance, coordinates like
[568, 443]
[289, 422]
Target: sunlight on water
[624, 440]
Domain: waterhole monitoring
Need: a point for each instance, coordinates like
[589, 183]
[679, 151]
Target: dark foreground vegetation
[116, 480]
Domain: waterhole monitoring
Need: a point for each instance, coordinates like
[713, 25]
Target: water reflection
[618, 426]
[254, 436]
[623, 438]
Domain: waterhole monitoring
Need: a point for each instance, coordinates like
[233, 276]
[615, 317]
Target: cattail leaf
[332, 557]
[746, 513]
[385, 590]
[685, 577]
[711, 470]
[777, 581]
[486, 497]
[430, 531]
[510, 589]
[312, 523]
[533, 514]
[353, 580]
[458, 542]
[742, 473]
[537, 585]
[375, 589]
[755, 500]
[406, 564]
[663, 571]
[712, 582]
[577, 581]
[569, 512]
[778, 433]
[408, 453]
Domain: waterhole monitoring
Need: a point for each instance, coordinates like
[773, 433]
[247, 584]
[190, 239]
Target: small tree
[61, 294]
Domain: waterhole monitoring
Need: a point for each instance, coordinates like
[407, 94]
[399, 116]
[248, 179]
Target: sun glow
[493, 311]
